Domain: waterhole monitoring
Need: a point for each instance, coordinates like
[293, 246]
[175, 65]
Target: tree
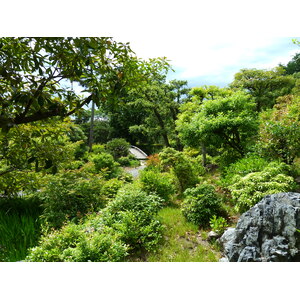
[29, 149]
[228, 122]
[279, 133]
[149, 111]
[264, 86]
[36, 76]
[293, 66]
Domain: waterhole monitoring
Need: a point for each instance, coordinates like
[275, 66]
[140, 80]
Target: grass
[19, 230]
[183, 242]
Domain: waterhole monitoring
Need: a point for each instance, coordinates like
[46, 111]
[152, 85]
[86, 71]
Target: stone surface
[212, 235]
[266, 232]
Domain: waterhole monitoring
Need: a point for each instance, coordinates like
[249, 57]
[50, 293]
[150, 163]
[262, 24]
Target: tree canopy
[37, 75]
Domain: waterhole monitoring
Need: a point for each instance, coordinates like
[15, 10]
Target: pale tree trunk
[91, 136]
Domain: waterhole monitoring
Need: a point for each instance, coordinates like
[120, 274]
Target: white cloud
[218, 58]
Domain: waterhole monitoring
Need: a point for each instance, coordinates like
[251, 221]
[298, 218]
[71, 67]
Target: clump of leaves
[105, 164]
[247, 190]
[200, 204]
[126, 226]
[79, 243]
[118, 148]
[243, 167]
[161, 184]
[218, 224]
[184, 170]
[69, 195]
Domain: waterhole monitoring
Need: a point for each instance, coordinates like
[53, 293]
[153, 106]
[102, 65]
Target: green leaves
[228, 121]
[32, 68]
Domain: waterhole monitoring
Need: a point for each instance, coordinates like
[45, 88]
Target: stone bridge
[138, 153]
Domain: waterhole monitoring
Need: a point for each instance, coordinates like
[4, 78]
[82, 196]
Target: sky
[214, 61]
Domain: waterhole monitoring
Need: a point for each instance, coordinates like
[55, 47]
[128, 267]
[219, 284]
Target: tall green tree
[225, 122]
[265, 86]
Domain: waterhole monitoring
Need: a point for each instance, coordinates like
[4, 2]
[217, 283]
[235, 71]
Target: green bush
[118, 148]
[181, 166]
[247, 190]
[127, 225]
[128, 161]
[105, 165]
[69, 195]
[218, 224]
[161, 184]
[243, 167]
[133, 215]
[200, 204]
[111, 187]
[79, 243]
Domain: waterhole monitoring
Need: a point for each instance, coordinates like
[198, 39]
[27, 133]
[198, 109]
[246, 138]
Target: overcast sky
[214, 61]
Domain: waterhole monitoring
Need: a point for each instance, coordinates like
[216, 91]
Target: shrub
[111, 187]
[153, 161]
[218, 224]
[181, 166]
[105, 165]
[69, 195]
[78, 243]
[133, 215]
[161, 184]
[247, 190]
[200, 204]
[118, 148]
[132, 198]
[243, 167]
[128, 224]
[128, 161]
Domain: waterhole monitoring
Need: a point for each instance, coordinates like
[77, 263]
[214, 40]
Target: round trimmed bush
[200, 204]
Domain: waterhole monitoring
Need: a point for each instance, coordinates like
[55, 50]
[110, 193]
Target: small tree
[228, 122]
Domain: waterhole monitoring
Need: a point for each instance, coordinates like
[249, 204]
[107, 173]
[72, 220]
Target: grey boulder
[267, 232]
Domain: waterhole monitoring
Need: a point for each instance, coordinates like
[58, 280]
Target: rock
[212, 235]
[266, 232]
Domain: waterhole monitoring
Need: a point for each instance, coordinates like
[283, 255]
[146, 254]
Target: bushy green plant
[218, 224]
[69, 195]
[105, 165]
[181, 166]
[200, 204]
[97, 148]
[247, 190]
[128, 161]
[128, 224]
[111, 187]
[161, 184]
[79, 243]
[133, 215]
[118, 148]
[243, 167]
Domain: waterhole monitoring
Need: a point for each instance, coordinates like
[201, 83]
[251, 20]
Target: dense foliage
[200, 204]
[71, 107]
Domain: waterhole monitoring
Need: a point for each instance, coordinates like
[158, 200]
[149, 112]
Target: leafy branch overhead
[37, 75]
